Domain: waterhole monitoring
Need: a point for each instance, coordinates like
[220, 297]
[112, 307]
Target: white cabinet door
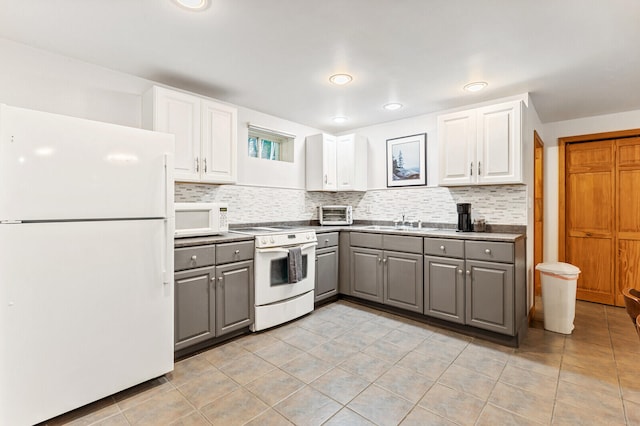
[345, 159]
[329, 163]
[219, 143]
[457, 146]
[481, 146]
[499, 145]
[179, 114]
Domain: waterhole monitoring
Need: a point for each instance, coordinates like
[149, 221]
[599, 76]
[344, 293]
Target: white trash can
[559, 281]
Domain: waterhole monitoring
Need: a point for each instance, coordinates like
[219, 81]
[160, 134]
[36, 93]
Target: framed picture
[407, 160]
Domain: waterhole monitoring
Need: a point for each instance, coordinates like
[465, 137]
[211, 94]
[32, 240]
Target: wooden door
[628, 215]
[590, 214]
[538, 209]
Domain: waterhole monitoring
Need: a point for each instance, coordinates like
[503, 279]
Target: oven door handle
[283, 249]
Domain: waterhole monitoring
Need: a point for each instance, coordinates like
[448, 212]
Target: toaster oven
[335, 215]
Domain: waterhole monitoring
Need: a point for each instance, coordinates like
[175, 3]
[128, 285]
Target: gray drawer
[489, 251]
[401, 243]
[234, 252]
[363, 239]
[329, 239]
[444, 247]
[194, 257]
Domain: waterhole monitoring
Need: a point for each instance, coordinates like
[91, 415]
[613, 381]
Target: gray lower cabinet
[387, 269]
[403, 280]
[327, 266]
[195, 301]
[214, 300]
[490, 296]
[234, 296]
[326, 273]
[444, 290]
[366, 274]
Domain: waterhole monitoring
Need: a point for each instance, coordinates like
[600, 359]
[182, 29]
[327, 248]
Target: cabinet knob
[487, 251]
[379, 260]
[237, 252]
[442, 248]
[384, 260]
[326, 241]
[194, 257]
[468, 272]
[460, 271]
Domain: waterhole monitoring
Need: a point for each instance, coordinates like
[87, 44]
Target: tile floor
[350, 365]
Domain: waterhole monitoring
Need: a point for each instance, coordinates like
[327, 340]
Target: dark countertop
[231, 237]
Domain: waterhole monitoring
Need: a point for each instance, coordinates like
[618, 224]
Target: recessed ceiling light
[193, 4]
[340, 79]
[392, 106]
[340, 119]
[476, 86]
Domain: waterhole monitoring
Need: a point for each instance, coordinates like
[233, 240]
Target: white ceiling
[577, 58]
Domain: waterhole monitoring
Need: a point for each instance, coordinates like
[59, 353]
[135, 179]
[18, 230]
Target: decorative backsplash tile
[500, 204]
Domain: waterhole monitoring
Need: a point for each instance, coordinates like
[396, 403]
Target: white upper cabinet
[205, 134]
[481, 146]
[336, 164]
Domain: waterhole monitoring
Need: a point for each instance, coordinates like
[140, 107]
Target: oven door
[272, 273]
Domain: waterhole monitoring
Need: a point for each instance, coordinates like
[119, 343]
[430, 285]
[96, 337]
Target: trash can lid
[558, 268]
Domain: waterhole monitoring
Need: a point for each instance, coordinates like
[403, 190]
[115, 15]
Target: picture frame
[407, 161]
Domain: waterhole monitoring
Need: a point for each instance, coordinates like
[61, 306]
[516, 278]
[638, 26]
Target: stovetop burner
[262, 230]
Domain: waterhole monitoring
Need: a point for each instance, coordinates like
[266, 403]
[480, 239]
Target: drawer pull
[487, 251]
[194, 257]
[326, 241]
[442, 248]
[237, 252]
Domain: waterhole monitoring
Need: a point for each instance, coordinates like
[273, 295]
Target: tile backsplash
[498, 204]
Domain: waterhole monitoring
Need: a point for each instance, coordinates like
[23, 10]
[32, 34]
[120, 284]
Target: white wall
[559, 129]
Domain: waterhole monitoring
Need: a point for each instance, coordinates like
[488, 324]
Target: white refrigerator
[86, 261]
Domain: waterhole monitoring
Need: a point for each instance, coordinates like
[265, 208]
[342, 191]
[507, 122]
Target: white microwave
[196, 219]
[335, 215]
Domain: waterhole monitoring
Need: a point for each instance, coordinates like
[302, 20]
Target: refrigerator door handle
[169, 222]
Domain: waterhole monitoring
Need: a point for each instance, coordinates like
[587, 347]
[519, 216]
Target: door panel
[366, 274]
[590, 207]
[194, 307]
[403, 281]
[444, 288]
[489, 296]
[234, 296]
[326, 273]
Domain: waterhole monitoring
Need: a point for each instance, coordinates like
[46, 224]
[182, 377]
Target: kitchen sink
[397, 228]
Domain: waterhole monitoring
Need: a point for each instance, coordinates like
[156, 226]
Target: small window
[270, 144]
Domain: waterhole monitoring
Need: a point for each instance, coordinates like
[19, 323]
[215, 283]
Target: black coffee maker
[464, 217]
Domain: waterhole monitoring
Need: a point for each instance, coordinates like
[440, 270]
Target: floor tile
[117, 420]
[492, 415]
[385, 351]
[246, 368]
[269, 418]
[467, 381]
[420, 417]
[600, 404]
[447, 350]
[193, 419]
[279, 353]
[591, 378]
[161, 409]
[529, 380]
[454, 405]
[238, 407]
[308, 407]
[372, 329]
[346, 417]
[569, 415]
[256, 341]
[405, 383]
[632, 412]
[527, 404]
[426, 365]
[304, 339]
[334, 352]
[274, 386]
[480, 363]
[100, 411]
[380, 406]
[224, 353]
[340, 385]
[365, 366]
[207, 387]
[542, 363]
[188, 369]
[356, 339]
[307, 367]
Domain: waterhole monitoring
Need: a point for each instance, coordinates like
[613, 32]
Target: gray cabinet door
[194, 313]
[489, 296]
[326, 273]
[403, 287]
[235, 297]
[444, 288]
[366, 273]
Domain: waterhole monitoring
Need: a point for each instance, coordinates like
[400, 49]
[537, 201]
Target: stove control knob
[263, 241]
[272, 240]
[308, 236]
